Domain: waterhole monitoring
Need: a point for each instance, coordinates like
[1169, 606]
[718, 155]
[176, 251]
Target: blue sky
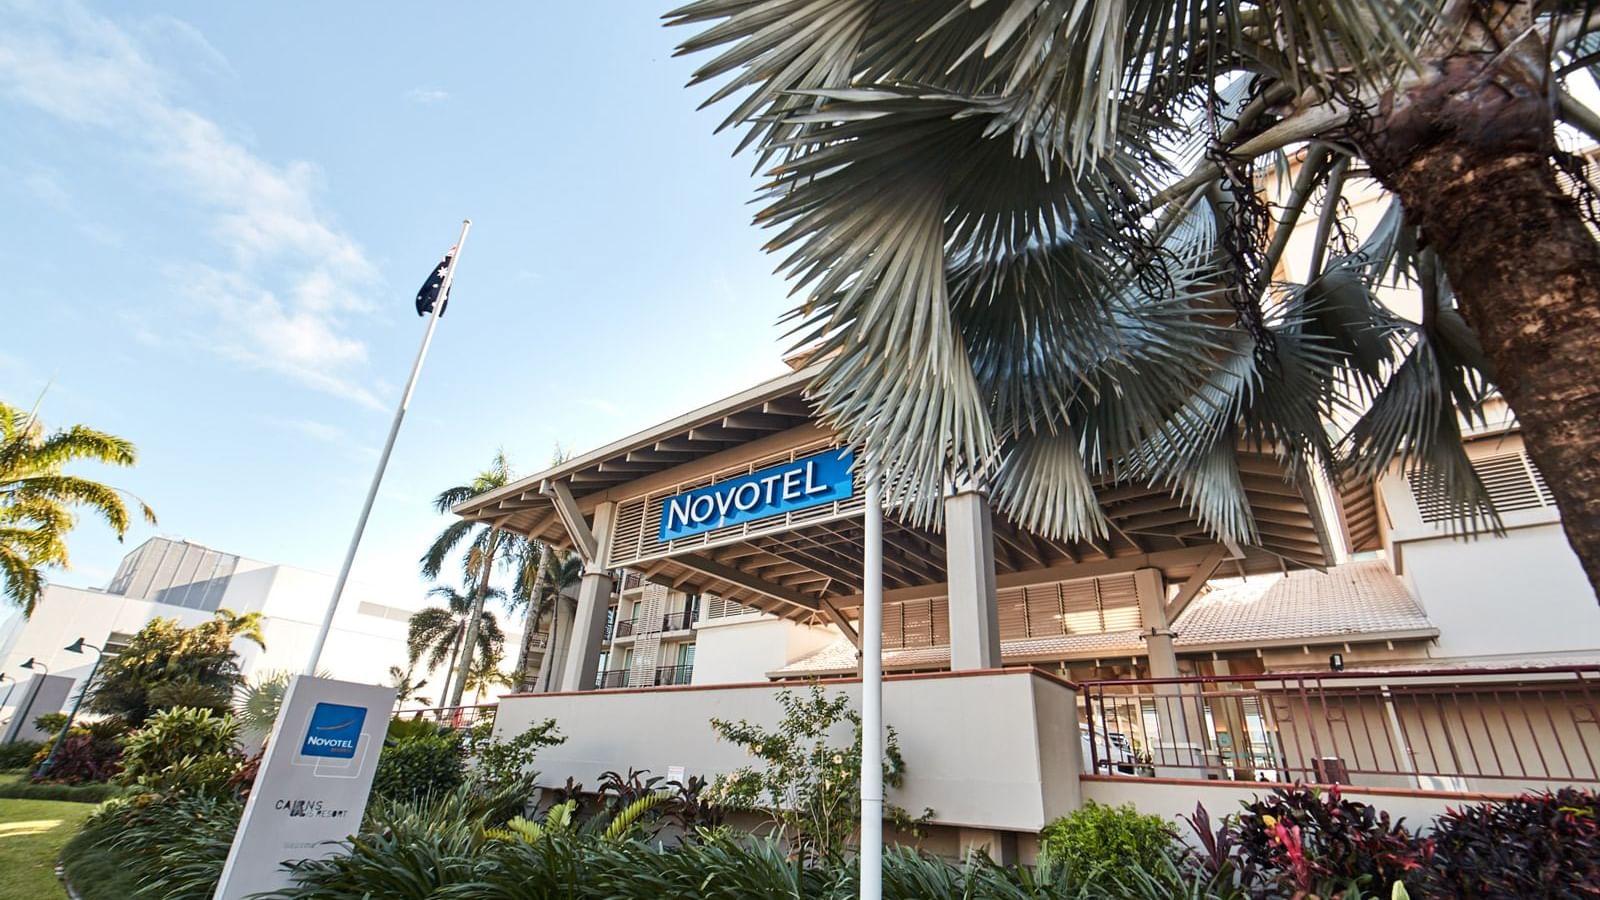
[217, 214]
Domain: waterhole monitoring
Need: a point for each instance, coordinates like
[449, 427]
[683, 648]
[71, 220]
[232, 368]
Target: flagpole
[388, 447]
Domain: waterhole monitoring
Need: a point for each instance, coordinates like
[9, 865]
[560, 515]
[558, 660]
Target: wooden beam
[746, 581]
[844, 624]
[1161, 559]
[1191, 587]
[560, 493]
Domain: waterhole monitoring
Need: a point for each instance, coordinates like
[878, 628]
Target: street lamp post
[76, 646]
[3, 677]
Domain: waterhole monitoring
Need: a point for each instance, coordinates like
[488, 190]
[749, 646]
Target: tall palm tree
[1036, 254]
[442, 632]
[485, 546]
[544, 575]
[37, 497]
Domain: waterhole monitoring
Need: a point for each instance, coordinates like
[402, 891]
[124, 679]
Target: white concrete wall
[997, 750]
[1512, 599]
[746, 649]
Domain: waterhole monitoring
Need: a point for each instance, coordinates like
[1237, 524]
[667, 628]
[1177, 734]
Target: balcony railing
[539, 639]
[625, 628]
[459, 718]
[667, 675]
[678, 621]
[1459, 729]
[611, 678]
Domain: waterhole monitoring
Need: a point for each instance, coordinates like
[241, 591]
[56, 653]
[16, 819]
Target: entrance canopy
[805, 564]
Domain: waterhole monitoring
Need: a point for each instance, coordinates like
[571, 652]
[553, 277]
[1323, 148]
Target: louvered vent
[714, 607]
[634, 538]
[1512, 480]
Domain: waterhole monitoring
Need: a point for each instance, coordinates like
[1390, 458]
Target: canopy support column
[594, 598]
[969, 562]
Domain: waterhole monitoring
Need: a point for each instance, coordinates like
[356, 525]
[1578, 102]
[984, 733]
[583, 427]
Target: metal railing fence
[1457, 729]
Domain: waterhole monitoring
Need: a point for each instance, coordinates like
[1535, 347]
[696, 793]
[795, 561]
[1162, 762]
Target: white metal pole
[383, 458]
[872, 693]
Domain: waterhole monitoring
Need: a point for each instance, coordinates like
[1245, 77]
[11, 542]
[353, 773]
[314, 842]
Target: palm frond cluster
[1037, 248]
[462, 635]
[37, 497]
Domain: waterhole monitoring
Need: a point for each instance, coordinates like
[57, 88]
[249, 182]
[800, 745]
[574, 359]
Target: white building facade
[177, 579]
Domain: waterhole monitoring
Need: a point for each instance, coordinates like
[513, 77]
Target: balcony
[673, 675]
[625, 628]
[611, 678]
[678, 621]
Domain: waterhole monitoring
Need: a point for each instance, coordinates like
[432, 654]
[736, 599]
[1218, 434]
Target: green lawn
[31, 835]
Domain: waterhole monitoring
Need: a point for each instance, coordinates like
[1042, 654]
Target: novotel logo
[334, 731]
[806, 482]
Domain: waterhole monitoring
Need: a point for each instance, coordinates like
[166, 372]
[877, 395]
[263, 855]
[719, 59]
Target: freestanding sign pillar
[311, 790]
[872, 693]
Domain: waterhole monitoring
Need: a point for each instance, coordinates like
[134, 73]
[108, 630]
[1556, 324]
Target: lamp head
[75, 647]
[32, 663]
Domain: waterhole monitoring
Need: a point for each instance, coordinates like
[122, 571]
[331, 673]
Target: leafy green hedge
[74, 793]
[18, 754]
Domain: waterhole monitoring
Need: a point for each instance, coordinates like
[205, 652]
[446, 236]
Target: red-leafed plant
[1537, 845]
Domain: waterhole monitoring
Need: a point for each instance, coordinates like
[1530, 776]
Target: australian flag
[429, 294]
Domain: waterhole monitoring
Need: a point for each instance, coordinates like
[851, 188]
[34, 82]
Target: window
[1511, 479]
[686, 654]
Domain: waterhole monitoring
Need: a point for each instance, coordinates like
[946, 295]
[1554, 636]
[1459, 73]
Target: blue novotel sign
[334, 731]
[806, 482]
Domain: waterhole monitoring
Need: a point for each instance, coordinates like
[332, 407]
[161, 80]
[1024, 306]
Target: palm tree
[440, 632]
[544, 575]
[37, 497]
[485, 546]
[407, 687]
[486, 674]
[1036, 253]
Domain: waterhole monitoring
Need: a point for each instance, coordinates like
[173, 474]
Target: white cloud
[84, 69]
[325, 433]
[427, 96]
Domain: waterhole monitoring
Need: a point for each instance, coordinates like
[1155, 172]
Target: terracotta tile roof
[1353, 599]
[1360, 598]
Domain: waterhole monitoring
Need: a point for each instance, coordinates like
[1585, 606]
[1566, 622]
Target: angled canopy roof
[793, 572]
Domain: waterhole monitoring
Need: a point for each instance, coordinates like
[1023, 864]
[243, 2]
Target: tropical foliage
[544, 576]
[485, 546]
[1098, 842]
[181, 750]
[166, 665]
[37, 497]
[437, 633]
[407, 686]
[809, 786]
[1041, 244]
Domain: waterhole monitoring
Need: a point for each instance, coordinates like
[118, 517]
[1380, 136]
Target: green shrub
[400, 729]
[183, 749]
[1098, 842]
[503, 764]
[808, 788]
[19, 754]
[414, 767]
[173, 846]
[73, 793]
[50, 723]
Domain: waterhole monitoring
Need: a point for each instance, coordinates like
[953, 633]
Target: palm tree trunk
[1469, 157]
[535, 611]
[449, 672]
[486, 567]
[547, 662]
